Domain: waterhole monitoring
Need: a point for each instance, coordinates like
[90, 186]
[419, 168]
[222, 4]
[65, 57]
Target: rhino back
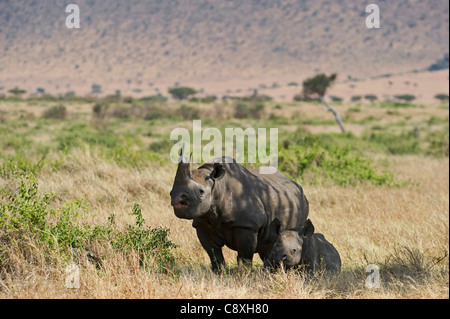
[284, 198]
[245, 191]
[328, 252]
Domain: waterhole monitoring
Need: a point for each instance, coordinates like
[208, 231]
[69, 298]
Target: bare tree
[315, 88]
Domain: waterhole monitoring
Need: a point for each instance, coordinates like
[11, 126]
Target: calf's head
[191, 194]
[288, 247]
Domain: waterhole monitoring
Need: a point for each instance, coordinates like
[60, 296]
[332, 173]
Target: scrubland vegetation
[87, 182]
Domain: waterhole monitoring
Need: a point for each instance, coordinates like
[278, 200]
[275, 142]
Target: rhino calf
[301, 246]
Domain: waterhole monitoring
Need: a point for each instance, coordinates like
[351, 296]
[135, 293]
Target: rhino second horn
[189, 167]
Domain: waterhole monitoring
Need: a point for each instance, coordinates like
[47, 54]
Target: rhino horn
[181, 158]
[184, 170]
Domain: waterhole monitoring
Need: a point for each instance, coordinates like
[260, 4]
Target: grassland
[88, 183]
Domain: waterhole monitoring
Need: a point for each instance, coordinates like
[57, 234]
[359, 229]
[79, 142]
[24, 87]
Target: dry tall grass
[404, 231]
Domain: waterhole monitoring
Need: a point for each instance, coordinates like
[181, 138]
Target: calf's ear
[308, 229]
[218, 171]
[275, 229]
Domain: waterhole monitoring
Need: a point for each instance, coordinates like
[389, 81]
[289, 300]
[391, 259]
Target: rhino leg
[246, 242]
[212, 248]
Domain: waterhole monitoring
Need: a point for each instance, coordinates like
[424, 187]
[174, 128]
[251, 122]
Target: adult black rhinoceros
[233, 206]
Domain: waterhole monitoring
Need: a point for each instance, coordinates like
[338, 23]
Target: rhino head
[288, 247]
[191, 194]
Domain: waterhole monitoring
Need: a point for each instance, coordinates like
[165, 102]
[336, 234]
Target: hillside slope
[142, 46]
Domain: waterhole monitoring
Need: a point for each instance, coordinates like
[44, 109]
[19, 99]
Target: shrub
[241, 110]
[121, 112]
[438, 143]
[17, 92]
[339, 164]
[322, 158]
[336, 98]
[404, 143]
[441, 97]
[100, 109]
[257, 110]
[371, 97]
[206, 99]
[55, 112]
[21, 164]
[154, 98]
[405, 97]
[182, 93]
[96, 89]
[148, 243]
[188, 112]
[253, 109]
[25, 214]
[155, 113]
[29, 222]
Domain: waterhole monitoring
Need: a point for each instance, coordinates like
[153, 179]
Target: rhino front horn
[189, 167]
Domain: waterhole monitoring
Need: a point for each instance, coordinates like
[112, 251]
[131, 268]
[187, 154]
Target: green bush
[438, 143]
[154, 98]
[188, 112]
[12, 164]
[251, 110]
[338, 164]
[404, 143]
[29, 220]
[336, 98]
[100, 109]
[405, 97]
[58, 112]
[96, 88]
[324, 158]
[241, 110]
[182, 93]
[26, 214]
[371, 97]
[17, 92]
[441, 97]
[150, 244]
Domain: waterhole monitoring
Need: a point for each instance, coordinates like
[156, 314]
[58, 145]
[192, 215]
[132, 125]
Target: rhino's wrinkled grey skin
[300, 246]
[233, 206]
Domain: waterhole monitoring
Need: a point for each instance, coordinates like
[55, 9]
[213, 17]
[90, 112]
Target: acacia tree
[17, 92]
[316, 87]
[182, 93]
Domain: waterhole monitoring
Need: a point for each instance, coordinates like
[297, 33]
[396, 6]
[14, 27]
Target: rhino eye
[294, 250]
[202, 192]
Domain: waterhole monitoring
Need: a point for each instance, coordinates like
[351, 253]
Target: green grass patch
[30, 219]
[321, 159]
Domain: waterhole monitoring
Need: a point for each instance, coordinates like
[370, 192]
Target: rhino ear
[308, 229]
[275, 229]
[218, 171]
